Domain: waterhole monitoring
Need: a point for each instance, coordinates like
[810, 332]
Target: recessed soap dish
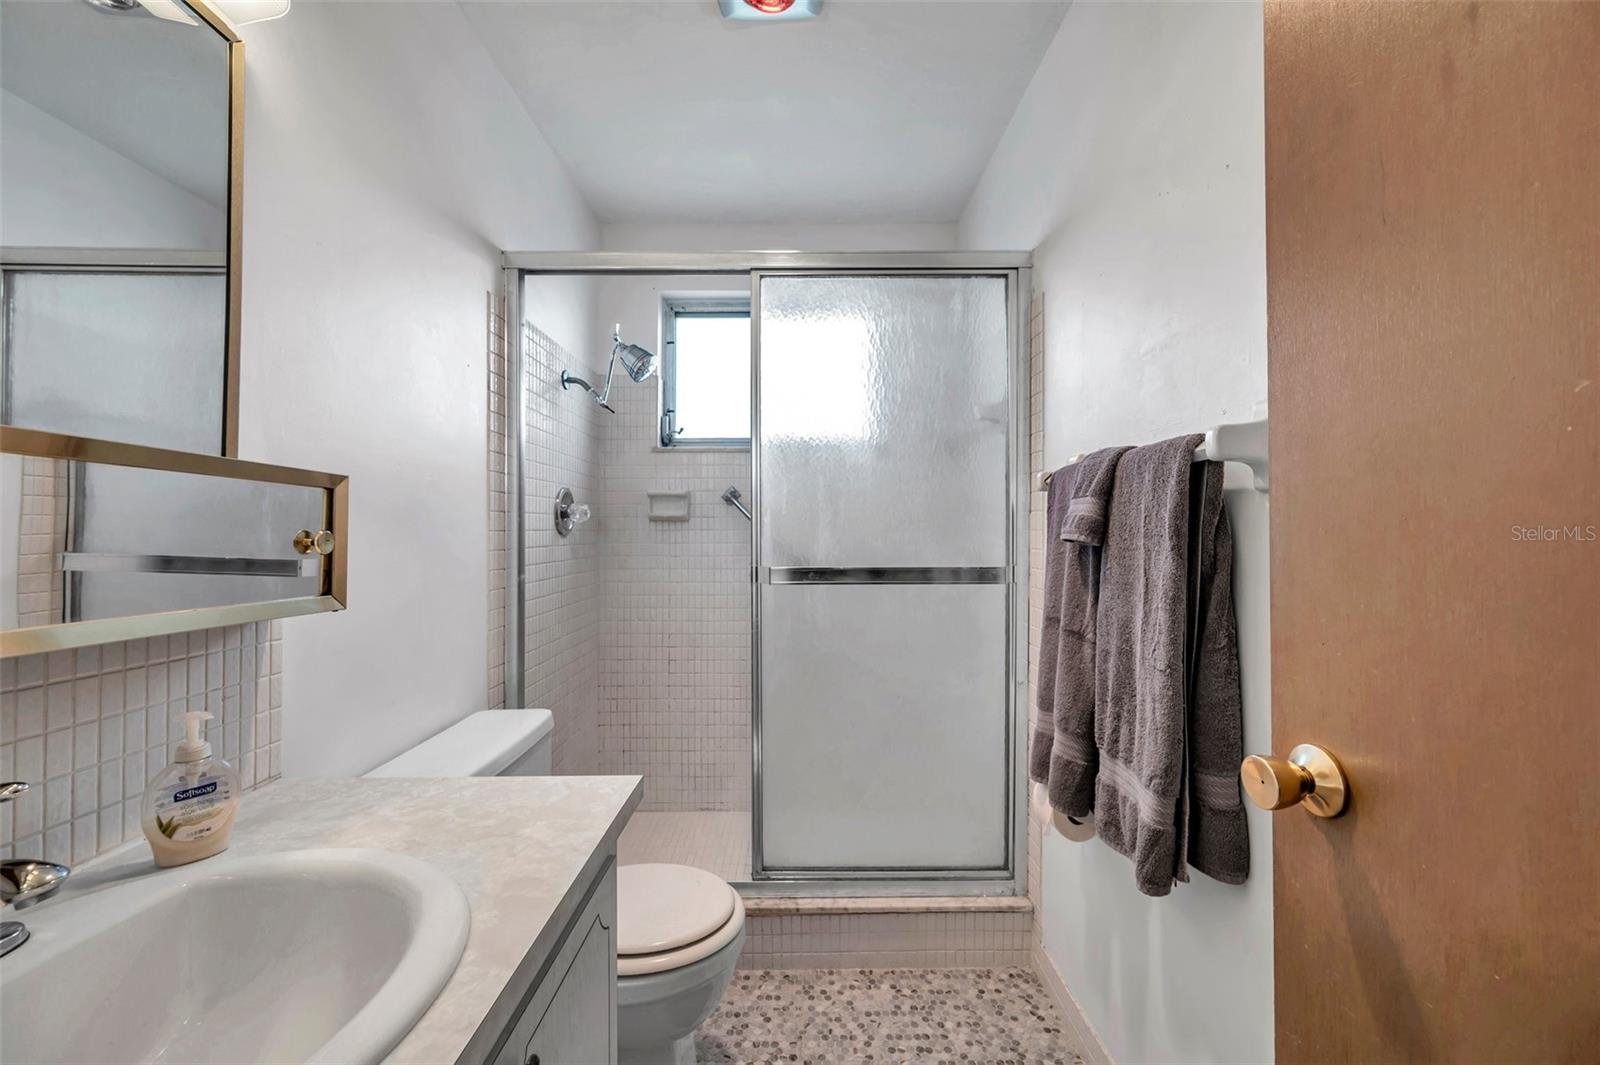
[668, 506]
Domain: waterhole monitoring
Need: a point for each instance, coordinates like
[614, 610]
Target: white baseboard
[1094, 1051]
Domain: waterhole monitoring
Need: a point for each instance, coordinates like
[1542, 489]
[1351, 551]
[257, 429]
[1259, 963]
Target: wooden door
[1433, 265]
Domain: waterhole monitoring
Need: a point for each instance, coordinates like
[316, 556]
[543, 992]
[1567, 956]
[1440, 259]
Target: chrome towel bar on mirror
[91, 562]
[1242, 442]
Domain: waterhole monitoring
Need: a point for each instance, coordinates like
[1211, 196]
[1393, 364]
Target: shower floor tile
[837, 1016]
[717, 841]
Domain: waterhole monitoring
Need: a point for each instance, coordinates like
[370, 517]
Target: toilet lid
[663, 907]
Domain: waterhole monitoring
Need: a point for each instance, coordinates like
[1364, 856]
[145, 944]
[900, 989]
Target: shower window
[705, 373]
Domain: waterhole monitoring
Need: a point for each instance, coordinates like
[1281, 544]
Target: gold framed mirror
[107, 541]
[121, 221]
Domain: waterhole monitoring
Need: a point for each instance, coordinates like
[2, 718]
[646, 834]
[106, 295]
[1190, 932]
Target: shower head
[637, 363]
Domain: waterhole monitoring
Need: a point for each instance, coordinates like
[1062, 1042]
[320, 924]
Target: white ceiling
[881, 110]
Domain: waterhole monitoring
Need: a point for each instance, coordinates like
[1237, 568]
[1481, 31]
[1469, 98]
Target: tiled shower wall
[675, 686]
[90, 728]
[638, 633]
[499, 503]
[562, 596]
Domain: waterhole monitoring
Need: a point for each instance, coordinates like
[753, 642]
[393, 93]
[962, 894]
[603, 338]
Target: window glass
[709, 400]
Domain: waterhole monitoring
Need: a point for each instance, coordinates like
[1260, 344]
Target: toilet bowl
[679, 929]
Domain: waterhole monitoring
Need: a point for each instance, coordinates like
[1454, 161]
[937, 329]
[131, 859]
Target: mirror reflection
[114, 212]
[95, 541]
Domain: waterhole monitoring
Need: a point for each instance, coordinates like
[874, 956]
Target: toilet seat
[671, 916]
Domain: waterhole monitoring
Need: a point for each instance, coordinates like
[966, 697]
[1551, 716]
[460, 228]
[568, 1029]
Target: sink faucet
[23, 881]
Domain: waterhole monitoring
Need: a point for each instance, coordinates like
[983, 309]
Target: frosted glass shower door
[884, 561]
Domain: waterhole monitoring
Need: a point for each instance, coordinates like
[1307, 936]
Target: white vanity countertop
[520, 847]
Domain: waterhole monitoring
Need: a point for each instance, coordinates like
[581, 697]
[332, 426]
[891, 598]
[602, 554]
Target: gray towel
[1062, 753]
[1142, 674]
[1218, 844]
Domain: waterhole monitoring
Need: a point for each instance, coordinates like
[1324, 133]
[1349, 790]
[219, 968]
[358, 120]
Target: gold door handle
[1310, 776]
[307, 542]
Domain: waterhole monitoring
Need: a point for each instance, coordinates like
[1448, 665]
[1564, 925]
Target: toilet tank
[489, 743]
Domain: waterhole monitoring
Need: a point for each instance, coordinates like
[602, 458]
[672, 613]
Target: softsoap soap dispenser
[189, 808]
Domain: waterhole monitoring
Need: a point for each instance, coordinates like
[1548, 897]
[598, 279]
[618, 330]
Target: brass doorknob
[1310, 776]
[306, 542]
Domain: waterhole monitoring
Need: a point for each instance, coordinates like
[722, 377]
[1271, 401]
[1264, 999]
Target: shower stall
[886, 564]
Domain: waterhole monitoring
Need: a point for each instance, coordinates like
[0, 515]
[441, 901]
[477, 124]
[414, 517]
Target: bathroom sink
[315, 955]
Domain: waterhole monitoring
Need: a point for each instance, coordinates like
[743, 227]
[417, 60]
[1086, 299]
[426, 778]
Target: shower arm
[568, 379]
[611, 367]
[603, 395]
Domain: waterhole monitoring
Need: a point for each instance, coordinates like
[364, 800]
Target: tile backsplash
[90, 728]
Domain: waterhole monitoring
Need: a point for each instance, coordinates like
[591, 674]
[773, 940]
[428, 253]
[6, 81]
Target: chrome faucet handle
[24, 881]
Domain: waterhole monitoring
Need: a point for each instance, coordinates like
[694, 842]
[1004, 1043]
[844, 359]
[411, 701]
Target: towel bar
[1243, 442]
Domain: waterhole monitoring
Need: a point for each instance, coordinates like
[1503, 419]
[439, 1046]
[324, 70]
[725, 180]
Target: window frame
[672, 308]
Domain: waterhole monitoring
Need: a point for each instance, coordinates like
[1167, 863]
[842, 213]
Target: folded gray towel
[1218, 844]
[1140, 675]
[1062, 753]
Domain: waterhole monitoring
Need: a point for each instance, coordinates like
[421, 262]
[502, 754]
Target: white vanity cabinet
[568, 1015]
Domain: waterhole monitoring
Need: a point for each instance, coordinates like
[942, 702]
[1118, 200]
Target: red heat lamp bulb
[770, 7]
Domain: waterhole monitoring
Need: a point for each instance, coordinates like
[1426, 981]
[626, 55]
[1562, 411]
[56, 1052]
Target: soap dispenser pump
[189, 808]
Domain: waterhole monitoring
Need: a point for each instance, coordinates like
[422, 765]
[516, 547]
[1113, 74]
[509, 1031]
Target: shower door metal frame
[1013, 574]
[1016, 269]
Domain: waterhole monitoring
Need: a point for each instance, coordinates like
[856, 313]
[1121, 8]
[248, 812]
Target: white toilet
[679, 929]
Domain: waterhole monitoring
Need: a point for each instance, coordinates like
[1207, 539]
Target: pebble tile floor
[882, 1016]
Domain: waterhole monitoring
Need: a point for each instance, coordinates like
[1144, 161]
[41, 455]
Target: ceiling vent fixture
[769, 10]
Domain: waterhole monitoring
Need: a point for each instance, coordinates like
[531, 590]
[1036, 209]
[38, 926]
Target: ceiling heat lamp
[769, 10]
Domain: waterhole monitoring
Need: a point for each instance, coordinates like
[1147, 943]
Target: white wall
[376, 202]
[886, 236]
[1134, 165]
[65, 189]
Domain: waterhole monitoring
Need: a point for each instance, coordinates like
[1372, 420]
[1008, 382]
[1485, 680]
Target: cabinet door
[569, 1016]
[577, 1027]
